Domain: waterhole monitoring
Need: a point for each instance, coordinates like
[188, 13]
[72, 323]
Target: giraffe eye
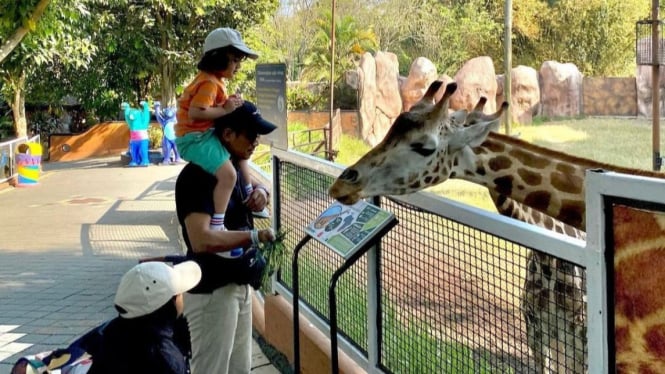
[420, 149]
[349, 175]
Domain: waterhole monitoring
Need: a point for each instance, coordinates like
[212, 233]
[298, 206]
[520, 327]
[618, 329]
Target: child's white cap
[150, 285]
[224, 37]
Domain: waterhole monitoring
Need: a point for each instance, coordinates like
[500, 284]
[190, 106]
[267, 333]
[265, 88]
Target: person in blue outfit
[167, 118]
[138, 121]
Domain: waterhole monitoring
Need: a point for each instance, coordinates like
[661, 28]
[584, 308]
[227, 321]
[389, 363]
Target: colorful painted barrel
[28, 163]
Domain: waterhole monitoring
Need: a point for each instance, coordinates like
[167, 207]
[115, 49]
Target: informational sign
[347, 228]
[271, 100]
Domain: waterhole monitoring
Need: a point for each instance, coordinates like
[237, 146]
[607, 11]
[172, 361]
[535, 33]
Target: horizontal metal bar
[313, 163]
[538, 238]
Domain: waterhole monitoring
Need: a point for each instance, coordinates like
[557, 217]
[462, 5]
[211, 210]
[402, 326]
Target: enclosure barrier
[444, 292]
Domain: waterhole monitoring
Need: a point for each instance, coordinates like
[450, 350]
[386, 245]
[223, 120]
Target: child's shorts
[203, 149]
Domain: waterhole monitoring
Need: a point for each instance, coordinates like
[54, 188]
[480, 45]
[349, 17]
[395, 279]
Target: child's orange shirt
[205, 91]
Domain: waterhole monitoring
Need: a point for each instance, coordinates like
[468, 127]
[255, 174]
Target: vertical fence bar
[374, 303]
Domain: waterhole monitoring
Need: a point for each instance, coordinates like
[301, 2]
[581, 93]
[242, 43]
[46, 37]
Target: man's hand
[257, 200]
[266, 235]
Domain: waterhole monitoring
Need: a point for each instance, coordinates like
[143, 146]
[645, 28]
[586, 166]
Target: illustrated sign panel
[347, 228]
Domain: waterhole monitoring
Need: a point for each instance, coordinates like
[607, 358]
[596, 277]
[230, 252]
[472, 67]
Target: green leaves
[275, 254]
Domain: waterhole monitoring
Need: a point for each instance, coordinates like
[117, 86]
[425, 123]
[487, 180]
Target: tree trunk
[18, 107]
[11, 42]
[168, 89]
[167, 80]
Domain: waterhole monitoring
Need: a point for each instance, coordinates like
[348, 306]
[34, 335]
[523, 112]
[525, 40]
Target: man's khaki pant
[220, 325]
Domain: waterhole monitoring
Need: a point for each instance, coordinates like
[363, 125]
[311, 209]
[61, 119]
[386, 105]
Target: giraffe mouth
[348, 199]
[337, 192]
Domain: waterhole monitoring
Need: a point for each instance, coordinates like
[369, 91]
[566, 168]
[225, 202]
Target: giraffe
[559, 347]
[428, 145]
[638, 241]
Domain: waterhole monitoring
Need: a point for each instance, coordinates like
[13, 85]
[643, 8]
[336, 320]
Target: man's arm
[203, 239]
[259, 198]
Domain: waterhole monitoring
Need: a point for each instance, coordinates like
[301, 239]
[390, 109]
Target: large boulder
[421, 74]
[379, 97]
[524, 95]
[644, 84]
[561, 89]
[475, 79]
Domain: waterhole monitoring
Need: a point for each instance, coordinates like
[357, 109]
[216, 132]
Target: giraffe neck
[547, 181]
[511, 208]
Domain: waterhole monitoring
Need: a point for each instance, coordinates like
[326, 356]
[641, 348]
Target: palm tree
[351, 43]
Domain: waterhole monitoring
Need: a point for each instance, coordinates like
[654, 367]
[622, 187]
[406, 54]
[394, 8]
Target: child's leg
[226, 180]
[246, 176]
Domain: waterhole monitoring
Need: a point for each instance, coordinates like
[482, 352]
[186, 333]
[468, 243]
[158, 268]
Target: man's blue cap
[246, 117]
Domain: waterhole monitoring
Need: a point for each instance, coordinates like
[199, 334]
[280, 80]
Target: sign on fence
[347, 228]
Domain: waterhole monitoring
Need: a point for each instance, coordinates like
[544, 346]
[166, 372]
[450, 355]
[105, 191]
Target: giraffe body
[427, 146]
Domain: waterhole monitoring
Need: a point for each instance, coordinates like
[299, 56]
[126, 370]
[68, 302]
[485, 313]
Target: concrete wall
[609, 97]
[102, 139]
[350, 120]
[273, 319]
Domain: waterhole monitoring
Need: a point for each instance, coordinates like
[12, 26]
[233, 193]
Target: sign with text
[347, 228]
[271, 100]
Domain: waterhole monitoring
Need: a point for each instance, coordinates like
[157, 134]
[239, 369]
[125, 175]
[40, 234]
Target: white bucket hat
[224, 37]
[148, 286]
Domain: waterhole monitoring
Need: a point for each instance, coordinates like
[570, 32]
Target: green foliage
[6, 127]
[301, 98]
[276, 255]
[351, 42]
[60, 38]
[410, 343]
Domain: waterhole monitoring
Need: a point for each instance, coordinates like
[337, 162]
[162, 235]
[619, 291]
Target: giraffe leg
[531, 303]
[570, 319]
[576, 357]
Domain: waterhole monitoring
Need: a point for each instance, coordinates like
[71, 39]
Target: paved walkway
[65, 243]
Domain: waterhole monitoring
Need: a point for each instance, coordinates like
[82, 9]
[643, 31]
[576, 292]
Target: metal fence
[452, 288]
[7, 156]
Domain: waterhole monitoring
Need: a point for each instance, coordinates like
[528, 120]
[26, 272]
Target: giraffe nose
[349, 175]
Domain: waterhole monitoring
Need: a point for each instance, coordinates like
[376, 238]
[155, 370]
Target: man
[219, 309]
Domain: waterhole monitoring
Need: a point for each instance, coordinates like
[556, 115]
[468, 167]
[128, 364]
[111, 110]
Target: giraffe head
[418, 151]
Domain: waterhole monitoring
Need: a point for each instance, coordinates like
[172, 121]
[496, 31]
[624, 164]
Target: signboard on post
[271, 100]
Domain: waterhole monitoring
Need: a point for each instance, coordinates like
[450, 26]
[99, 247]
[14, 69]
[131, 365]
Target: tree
[19, 18]
[351, 42]
[56, 38]
[160, 41]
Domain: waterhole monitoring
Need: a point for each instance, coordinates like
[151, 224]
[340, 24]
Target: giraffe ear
[471, 136]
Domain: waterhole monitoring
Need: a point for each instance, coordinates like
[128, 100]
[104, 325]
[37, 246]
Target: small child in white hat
[149, 335]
